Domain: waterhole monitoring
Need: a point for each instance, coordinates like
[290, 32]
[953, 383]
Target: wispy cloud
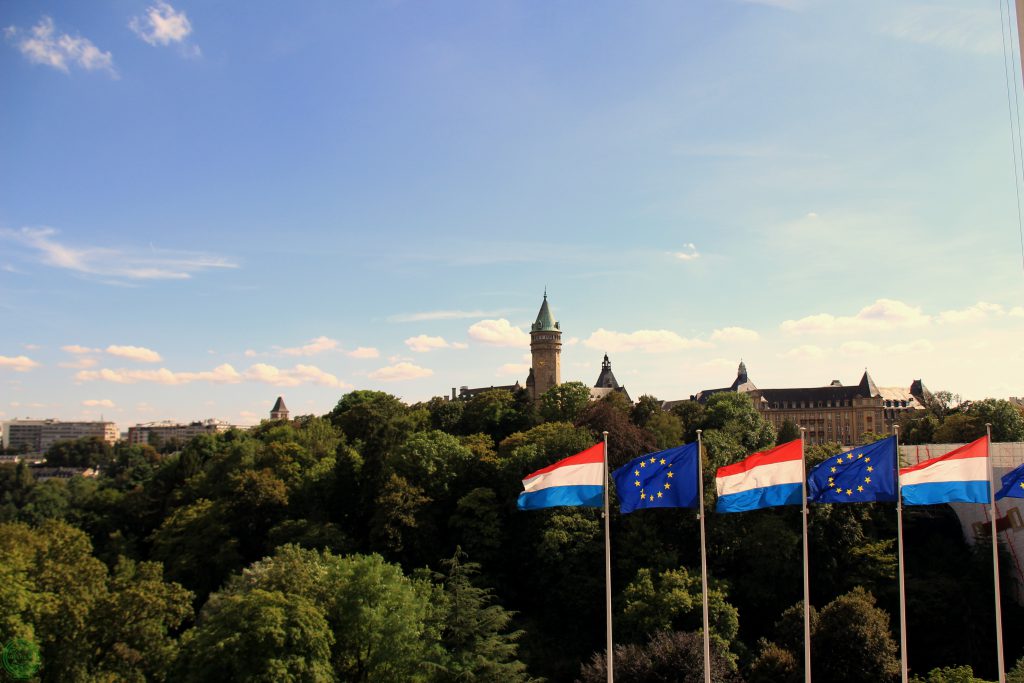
[76, 348]
[947, 27]
[883, 314]
[42, 45]
[646, 341]
[499, 332]
[18, 363]
[98, 403]
[139, 353]
[688, 253]
[443, 315]
[363, 352]
[131, 264]
[318, 345]
[222, 374]
[423, 343]
[80, 364]
[400, 371]
[161, 25]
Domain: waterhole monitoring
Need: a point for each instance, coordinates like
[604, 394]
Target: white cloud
[80, 364]
[498, 332]
[689, 252]
[951, 28]
[363, 352]
[883, 314]
[154, 264]
[315, 346]
[647, 341]
[98, 403]
[734, 334]
[400, 371]
[1017, 312]
[978, 311]
[161, 25]
[806, 351]
[18, 363]
[423, 343]
[42, 46]
[75, 348]
[250, 353]
[139, 353]
[222, 374]
[441, 315]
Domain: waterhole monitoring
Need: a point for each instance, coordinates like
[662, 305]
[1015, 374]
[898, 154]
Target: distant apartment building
[168, 430]
[36, 436]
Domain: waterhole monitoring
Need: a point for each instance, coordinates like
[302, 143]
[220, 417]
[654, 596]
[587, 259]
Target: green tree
[788, 431]
[196, 546]
[959, 428]
[476, 635]
[497, 413]
[564, 402]
[89, 451]
[1007, 419]
[950, 674]
[666, 428]
[259, 635]
[669, 656]
[645, 407]
[854, 642]
[672, 600]
[385, 626]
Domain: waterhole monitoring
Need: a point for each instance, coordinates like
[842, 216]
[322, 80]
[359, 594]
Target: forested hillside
[381, 542]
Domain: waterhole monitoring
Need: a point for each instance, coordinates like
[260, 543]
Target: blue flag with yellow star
[861, 475]
[667, 479]
[1013, 484]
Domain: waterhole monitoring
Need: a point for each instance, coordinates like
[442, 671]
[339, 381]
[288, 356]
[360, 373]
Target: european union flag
[861, 475]
[667, 479]
[1013, 484]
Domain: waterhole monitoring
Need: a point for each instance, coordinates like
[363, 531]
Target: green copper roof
[545, 321]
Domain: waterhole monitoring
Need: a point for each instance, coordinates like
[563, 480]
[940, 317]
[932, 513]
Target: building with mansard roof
[832, 413]
[606, 383]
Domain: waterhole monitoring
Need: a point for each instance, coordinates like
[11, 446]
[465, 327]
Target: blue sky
[206, 205]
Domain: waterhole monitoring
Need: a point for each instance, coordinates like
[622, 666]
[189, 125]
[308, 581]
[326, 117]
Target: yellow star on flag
[653, 460]
[643, 464]
[668, 485]
[659, 494]
[867, 480]
[671, 474]
[871, 468]
[860, 489]
[636, 483]
[849, 492]
[833, 470]
[663, 461]
[636, 473]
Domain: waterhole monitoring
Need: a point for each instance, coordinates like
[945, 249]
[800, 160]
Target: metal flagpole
[703, 559]
[899, 546]
[807, 583]
[607, 568]
[995, 553]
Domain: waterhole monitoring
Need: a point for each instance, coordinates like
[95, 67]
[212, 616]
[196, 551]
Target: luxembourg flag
[766, 479]
[576, 480]
[960, 476]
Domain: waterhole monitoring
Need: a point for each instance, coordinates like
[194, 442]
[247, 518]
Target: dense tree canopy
[381, 542]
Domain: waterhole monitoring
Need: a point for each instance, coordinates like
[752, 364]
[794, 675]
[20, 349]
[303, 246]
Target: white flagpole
[807, 583]
[995, 554]
[607, 569]
[703, 559]
[899, 546]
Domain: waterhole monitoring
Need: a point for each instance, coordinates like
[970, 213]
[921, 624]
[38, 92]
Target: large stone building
[833, 413]
[166, 431]
[36, 436]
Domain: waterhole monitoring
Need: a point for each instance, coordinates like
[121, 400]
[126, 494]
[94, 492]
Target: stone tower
[546, 351]
[279, 411]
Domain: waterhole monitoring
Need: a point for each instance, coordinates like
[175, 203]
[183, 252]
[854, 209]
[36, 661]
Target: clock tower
[546, 352]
